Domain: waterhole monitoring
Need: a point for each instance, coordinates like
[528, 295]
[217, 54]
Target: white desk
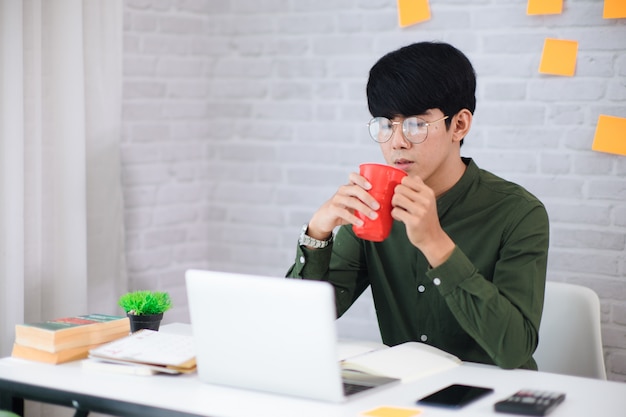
[186, 395]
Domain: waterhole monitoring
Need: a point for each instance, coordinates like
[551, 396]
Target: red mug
[384, 179]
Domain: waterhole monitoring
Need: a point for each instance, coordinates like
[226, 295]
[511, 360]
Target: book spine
[83, 339]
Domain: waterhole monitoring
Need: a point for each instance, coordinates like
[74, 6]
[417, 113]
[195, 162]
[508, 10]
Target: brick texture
[241, 117]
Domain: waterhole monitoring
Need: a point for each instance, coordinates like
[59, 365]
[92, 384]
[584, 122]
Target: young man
[465, 264]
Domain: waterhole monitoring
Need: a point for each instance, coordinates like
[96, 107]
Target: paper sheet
[411, 12]
[610, 135]
[392, 412]
[544, 7]
[559, 57]
[614, 9]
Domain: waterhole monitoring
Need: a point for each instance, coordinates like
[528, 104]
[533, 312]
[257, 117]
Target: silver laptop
[270, 334]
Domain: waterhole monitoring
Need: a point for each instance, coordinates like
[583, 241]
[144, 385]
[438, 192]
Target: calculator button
[530, 402]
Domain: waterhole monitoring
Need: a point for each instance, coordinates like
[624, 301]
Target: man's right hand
[341, 208]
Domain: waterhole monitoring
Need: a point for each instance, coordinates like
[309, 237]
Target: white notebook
[407, 361]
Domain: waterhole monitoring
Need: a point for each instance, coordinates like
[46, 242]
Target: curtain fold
[106, 263]
[63, 164]
[11, 171]
[61, 208]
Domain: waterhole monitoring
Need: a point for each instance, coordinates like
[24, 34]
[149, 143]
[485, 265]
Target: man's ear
[461, 124]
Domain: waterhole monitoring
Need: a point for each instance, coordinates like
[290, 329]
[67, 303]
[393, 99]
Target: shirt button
[302, 260]
[421, 288]
[423, 338]
[436, 281]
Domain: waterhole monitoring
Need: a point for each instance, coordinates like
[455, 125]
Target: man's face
[429, 159]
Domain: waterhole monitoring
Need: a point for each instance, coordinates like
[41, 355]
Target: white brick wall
[242, 117]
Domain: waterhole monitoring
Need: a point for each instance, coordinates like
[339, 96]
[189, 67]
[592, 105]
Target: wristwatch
[306, 240]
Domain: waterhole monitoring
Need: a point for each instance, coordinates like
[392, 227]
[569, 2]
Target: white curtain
[61, 211]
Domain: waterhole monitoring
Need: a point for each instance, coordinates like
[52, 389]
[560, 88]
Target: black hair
[422, 76]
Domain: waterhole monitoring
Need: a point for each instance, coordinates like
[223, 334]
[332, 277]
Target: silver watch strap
[306, 240]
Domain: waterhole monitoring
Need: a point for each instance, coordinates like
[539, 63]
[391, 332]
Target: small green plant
[144, 302]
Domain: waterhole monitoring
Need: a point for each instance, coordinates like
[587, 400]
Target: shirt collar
[445, 201]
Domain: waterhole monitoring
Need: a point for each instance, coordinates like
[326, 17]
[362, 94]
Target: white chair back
[570, 339]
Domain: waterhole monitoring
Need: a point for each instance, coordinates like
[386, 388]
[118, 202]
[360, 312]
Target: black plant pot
[148, 321]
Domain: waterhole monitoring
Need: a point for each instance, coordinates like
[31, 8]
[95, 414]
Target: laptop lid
[267, 334]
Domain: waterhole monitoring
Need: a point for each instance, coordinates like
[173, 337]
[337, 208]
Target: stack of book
[67, 339]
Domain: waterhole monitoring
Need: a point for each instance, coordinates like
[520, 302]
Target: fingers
[359, 180]
[415, 204]
[351, 199]
[342, 208]
[413, 197]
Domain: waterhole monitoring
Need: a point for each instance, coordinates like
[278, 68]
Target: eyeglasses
[414, 129]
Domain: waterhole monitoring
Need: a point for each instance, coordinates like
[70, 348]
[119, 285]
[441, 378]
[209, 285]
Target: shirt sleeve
[311, 263]
[502, 315]
[339, 263]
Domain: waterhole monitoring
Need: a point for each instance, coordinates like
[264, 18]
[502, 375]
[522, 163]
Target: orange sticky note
[544, 7]
[610, 135]
[614, 9]
[413, 11]
[392, 412]
[559, 57]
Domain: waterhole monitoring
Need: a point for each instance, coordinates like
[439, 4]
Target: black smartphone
[455, 396]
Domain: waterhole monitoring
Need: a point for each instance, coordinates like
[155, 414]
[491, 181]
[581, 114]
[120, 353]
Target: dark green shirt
[483, 304]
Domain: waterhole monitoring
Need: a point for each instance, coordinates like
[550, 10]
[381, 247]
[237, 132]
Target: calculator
[530, 402]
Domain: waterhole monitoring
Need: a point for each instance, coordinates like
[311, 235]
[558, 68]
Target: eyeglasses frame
[393, 124]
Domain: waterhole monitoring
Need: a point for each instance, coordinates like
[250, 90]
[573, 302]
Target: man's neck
[448, 177]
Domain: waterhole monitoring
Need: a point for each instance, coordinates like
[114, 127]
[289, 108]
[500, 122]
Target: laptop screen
[268, 334]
